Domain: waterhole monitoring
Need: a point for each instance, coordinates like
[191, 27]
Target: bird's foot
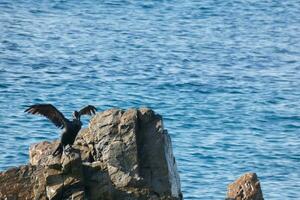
[68, 149]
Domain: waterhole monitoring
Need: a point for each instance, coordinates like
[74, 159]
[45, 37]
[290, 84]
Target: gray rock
[121, 155]
[98, 184]
[136, 151]
[157, 163]
[67, 181]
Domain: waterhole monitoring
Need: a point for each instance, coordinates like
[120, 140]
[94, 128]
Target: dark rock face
[122, 155]
[247, 187]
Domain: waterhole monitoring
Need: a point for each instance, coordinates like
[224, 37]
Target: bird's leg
[58, 150]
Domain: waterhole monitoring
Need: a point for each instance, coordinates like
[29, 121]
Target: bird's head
[76, 115]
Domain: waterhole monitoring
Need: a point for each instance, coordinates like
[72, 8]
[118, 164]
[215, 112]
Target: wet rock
[247, 187]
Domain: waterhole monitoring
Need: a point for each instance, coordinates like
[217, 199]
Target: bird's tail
[58, 150]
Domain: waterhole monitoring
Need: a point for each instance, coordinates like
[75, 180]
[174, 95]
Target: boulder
[134, 153]
[247, 187]
[123, 154]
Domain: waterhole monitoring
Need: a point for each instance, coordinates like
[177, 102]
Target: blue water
[225, 75]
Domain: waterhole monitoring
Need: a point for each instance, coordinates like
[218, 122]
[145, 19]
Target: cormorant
[71, 128]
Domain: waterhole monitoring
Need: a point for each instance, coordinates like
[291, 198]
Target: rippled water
[224, 74]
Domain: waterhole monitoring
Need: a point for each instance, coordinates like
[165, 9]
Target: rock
[157, 163]
[98, 183]
[247, 187]
[66, 182]
[121, 155]
[17, 183]
[39, 152]
[39, 185]
[135, 152]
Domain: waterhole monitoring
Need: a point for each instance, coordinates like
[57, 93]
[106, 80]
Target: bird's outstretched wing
[88, 110]
[50, 112]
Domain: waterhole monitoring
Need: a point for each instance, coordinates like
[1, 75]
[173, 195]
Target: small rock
[247, 187]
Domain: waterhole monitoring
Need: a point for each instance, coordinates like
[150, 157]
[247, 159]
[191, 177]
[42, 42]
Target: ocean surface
[225, 75]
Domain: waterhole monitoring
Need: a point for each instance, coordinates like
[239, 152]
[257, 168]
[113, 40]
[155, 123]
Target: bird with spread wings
[71, 128]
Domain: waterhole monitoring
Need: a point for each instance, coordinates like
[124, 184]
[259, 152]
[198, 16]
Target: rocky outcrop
[16, 183]
[247, 187]
[121, 155]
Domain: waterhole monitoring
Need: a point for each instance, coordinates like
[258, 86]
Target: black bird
[71, 128]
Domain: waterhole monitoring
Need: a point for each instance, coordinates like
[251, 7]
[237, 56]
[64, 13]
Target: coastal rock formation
[17, 182]
[121, 155]
[247, 187]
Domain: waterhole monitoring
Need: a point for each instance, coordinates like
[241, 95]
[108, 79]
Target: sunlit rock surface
[247, 187]
[122, 155]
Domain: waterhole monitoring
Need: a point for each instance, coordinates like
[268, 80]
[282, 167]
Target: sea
[225, 76]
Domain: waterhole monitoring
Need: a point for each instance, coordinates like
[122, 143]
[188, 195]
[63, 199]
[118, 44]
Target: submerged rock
[247, 187]
[121, 155]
